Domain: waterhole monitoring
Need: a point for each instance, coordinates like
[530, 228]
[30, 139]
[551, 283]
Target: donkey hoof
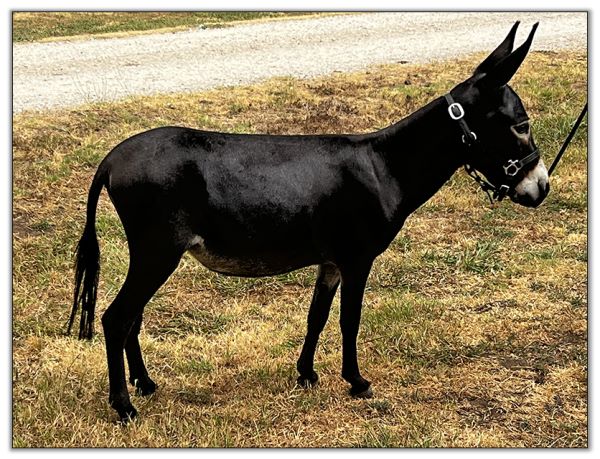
[361, 392]
[307, 382]
[127, 414]
[143, 386]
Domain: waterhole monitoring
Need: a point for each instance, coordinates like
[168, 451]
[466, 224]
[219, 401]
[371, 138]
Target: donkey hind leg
[328, 279]
[353, 287]
[138, 375]
[148, 270]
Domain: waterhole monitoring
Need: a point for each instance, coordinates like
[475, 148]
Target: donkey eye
[522, 128]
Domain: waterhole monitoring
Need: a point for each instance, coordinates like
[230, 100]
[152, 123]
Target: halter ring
[464, 140]
[513, 167]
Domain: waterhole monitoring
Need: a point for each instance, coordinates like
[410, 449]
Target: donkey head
[506, 152]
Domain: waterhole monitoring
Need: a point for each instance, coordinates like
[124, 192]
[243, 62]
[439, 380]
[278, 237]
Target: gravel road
[63, 74]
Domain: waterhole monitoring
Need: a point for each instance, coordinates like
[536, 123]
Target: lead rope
[568, 139]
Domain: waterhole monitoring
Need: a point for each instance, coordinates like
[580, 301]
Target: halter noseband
[511, 169]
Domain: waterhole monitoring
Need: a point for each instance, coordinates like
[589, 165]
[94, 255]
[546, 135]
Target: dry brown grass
[475, 323]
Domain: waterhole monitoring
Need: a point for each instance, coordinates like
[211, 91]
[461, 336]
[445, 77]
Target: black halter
[512, 169]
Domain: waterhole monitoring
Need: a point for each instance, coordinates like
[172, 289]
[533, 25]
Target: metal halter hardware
[457, 113]
[514, 166]
[460, 111]
[469, 138]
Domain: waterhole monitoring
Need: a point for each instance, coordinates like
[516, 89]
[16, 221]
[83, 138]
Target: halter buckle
[456, 115]
[512, 168]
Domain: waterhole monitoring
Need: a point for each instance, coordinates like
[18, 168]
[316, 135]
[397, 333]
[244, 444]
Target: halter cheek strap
[511, 169]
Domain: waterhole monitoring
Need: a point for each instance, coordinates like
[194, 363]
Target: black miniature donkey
[260, 205]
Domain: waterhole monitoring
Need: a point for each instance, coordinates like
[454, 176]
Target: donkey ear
[504, 70]
[503, 50]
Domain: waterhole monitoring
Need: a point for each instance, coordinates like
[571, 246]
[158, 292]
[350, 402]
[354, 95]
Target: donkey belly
[258, 264]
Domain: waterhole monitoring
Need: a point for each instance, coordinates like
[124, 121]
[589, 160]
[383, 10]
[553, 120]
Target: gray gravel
[62, 74]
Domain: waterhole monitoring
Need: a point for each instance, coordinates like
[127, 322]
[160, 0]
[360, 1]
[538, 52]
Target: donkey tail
[87, 263]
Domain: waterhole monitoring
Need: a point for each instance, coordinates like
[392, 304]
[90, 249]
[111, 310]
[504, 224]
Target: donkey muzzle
[533, 188]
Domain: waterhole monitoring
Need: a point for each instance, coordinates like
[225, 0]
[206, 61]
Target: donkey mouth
[532, 199]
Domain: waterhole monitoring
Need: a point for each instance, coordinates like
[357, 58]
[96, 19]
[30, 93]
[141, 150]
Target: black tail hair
[87, 265]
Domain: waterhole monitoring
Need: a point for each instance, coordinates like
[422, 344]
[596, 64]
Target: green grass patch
[35, 26]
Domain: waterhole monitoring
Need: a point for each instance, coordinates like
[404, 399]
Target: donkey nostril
[547, 188]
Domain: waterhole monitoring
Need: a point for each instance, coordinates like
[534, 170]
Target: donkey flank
[260, 205]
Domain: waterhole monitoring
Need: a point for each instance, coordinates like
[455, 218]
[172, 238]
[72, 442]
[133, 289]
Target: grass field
[474, 330]
[35, 26]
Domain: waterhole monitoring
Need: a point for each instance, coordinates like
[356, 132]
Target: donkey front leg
[354, 280]
[327, 283]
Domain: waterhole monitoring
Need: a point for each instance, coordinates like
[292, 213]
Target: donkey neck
[421, 152]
